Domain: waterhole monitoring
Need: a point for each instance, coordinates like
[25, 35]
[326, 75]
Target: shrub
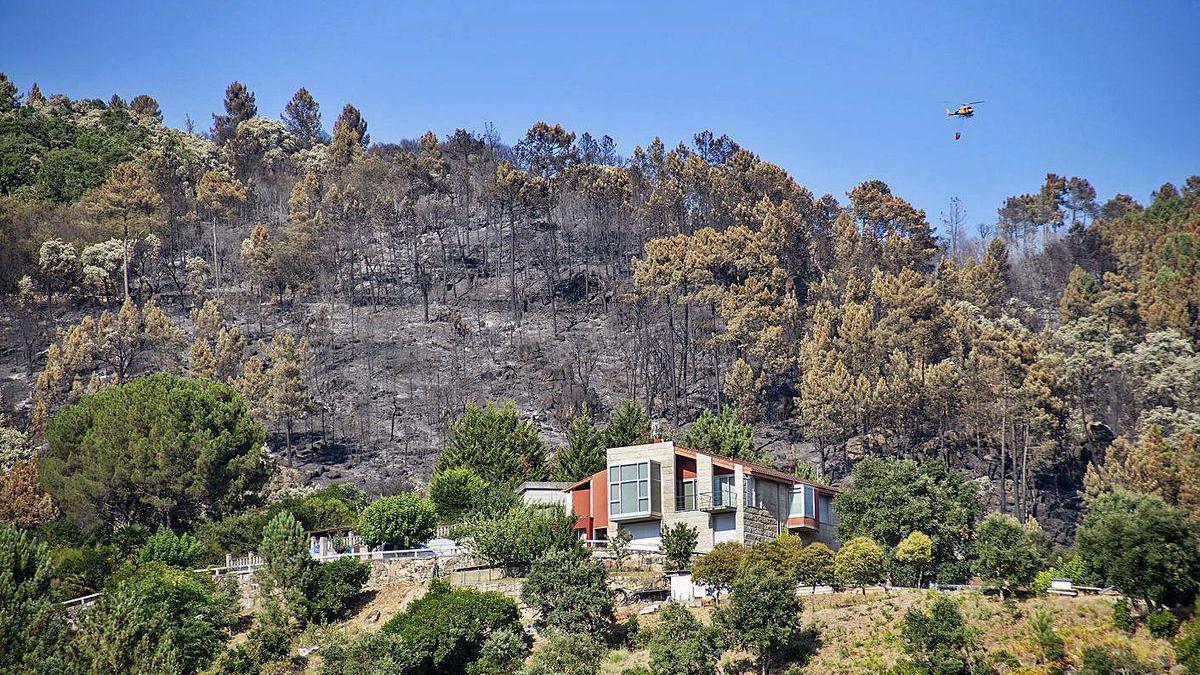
[1048, 640]
[859, 562]
[1101, 660]
[1123, 616]
[678, 544]
[567, 654]
[520, 536]
[330, 587]
[500, 445]
[454, 492]
[1162, 624]
[682, 645]
[717, 569]
[938, 641]
[570, 592]
[444, 631]
[503, 653]
[762, 614]
[373, 652]
[780, 554]
[404, 521]
[1187, 648]
[168, 548]
[336, 505]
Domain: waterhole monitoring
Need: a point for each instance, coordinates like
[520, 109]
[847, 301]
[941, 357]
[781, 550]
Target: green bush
[445, 630]
[570, 592]
[405, 521]
[859, 562]
[567, 654]
[1187, 648]
[503, 653]
[762, 614]
[1101, 660]
[182, 551]
[497, 443]
[1123, 616]
[682, 645]
[1007, 554]
[717, 569]
[1162, 624]
[328, 589]
[938, 640]
[32, 623]
[519, 536]
[455, 492]
[678, 545]
[1048, 640]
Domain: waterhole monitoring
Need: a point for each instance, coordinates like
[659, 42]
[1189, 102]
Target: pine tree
[144, 105]
[628, 425]
[218, 197]
[258, 258]
[584, 453]
[200, 361]
[354, 122]
[288, 398]
[35, 98]
[346, 145]
[239, 107]
[128, 200]
[8, 94]
[302, 118]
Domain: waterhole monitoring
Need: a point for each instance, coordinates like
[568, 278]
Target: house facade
[647, 488]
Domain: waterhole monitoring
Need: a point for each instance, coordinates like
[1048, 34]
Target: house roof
[541, 485]
[754, 468]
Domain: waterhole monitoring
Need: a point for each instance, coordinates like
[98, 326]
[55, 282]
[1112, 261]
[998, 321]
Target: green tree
[328, 588]
[454, 492]
[302, 118]
[888, 500]
[1142, 547]
[157, 620]
[160, 449]
[570, 592]
[761, 616]
[723, 435]
[567, 653]
[239, 107]
[859, 562]
[682, 645]
[916, 551]
[497, 443]
[718, 569]
[129, 201]
[1006, 554]
[405, 521]
[584, 453]
[814, 567]
[628, 425]
[31, 624]
[1041, 625]
[938, 641]
[678, 544]
[183, 551]
[284, 548]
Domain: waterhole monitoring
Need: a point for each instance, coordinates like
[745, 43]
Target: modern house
[646, 488]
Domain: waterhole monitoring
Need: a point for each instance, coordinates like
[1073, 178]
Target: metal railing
[719, 500]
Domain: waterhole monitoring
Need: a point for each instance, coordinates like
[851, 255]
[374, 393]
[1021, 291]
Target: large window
[629, 488]
[826, 510]
[802, 502]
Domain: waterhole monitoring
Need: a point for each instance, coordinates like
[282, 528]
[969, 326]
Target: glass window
[796, 507]
[629, 488]
[685, 495]
[723, 491]
[810, 510]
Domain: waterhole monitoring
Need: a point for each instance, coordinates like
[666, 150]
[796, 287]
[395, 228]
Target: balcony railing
[717, 502]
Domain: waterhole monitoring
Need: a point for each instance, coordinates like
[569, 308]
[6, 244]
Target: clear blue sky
[836, 95]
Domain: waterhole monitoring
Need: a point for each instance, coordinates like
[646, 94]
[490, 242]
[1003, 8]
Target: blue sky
[834, 94]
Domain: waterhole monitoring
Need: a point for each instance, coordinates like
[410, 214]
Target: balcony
[722, 501]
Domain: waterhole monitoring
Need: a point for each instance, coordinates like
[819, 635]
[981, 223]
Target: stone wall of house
[759, 524]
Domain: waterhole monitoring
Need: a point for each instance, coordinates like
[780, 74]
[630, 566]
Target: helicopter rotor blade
[975, 102]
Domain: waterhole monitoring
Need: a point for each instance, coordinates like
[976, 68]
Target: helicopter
[964, 111]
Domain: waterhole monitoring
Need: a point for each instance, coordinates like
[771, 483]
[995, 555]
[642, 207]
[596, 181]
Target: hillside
[413, 277]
